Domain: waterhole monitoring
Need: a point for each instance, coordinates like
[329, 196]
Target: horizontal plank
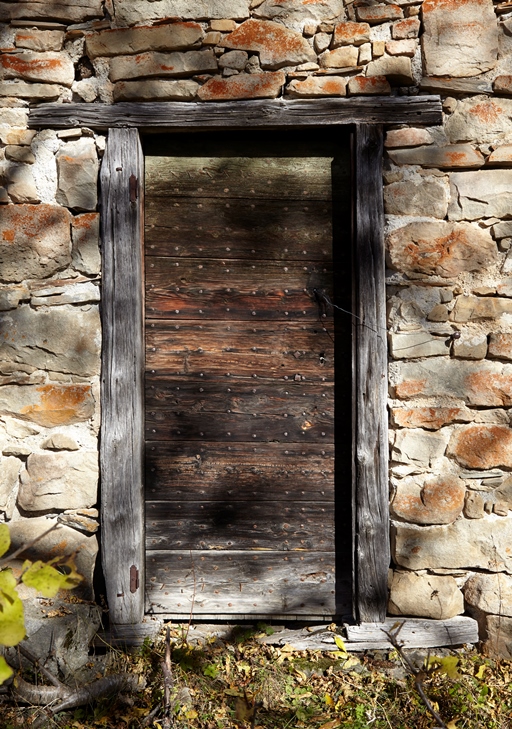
[177, 471]
[271, 229]
[233, 289]
[236, 427]
[415, 633]
[222, 525]
[233, 178]
[240, 582]
[417, 110]
[218, 397]
[210, 350]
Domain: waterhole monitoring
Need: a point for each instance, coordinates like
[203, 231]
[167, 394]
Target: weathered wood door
[242, 514]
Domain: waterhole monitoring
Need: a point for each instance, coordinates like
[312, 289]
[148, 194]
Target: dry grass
[223, 684]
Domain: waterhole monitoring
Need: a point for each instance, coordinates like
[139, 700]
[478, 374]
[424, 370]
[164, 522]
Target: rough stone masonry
[448, 198]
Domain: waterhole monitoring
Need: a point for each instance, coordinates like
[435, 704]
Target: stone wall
[448, 198]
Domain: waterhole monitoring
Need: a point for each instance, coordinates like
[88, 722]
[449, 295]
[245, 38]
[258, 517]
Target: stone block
[19, 154]
[425, 596]
[156, 90]
[224, 25]
[60, 442]
[16, 136]
[34, 241]
[480, 119]
[144, 11]
[53, 68]
[439, 85]
[486, 384]
[460, 38]
[294, 14]
[428, 499]
[410, 345]
[427, 198]
[343, 57]
[405, 47]
[66, 12]
[314, 86]
[482, 446]
[322, 41]
[48, 405]
[10, 296]
[397, 69]
[277, 46]
[503, 85]
[10, 468]
[431, 418]
[39, 40]
[79, 521]
[234, 59]
[482, 544]
[61, 542]
[365, 54]
[59, 481]
[364, 86]
[85, 233]
[501, 156]
[13, 117]
[404, 29]
[21, 185]
[502, 229]
[474, 505]
[491, 593]
[65, 292]
[380, 13]
[451, 156]
[419, 447]
[498, 637]
[31, 91]
[477, 308]
[350, 34]
[243, 86]
[441, 248]
[500, 346]
[482, 194]
[60, 339]
[470, 347]
[151, 64]
[77, 167]
[122, 41]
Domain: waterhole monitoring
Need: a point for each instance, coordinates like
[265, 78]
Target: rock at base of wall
[63, 480]
[490, 593]
[425, 596]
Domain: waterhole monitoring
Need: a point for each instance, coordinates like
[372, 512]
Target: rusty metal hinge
[134, 188]
[134, 578]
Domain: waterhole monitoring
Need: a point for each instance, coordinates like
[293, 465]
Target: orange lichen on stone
[431, 418]
[488, 111]
[367, 85]
[243, 86]
[348, 33]
[440, 500]
[410, 388]
[278, 46]
[60, 405]
[482, 446]
[490, 388]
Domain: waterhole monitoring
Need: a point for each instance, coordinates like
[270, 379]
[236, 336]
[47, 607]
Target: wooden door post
[122, 419]
[372, 551]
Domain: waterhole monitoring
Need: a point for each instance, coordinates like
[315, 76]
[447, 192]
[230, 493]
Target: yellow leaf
[481, 671]
[157, 725]
[5, 670]
[5, 539]
[330, 724]
[339, 642]
[452, 724]
[329, 700]
[191, 714]
[445, 664]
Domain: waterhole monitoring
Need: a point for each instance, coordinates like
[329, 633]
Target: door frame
[122, 399]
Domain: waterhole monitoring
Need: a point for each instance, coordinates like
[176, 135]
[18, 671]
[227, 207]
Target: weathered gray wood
[372, 551]
[417, 110]
[122, 440]
[261, 582]
[415, 633]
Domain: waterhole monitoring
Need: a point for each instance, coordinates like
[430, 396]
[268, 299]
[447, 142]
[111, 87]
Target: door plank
[247, 525]
[201, 228]
[209, 582]
[232, 178]
[181, 471]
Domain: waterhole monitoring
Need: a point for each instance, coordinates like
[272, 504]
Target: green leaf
[5, 539]
[12, 623]
[445, 664]
[5, 670]
[211, 670]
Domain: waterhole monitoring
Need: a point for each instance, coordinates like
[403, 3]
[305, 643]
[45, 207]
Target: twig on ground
[418, 675]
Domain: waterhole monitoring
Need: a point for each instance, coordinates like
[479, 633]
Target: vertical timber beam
[372, 551]
[122, 421]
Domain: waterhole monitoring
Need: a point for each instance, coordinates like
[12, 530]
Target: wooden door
[241, 515]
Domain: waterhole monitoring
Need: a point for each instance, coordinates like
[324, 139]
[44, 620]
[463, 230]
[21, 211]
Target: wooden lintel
[181, 116]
